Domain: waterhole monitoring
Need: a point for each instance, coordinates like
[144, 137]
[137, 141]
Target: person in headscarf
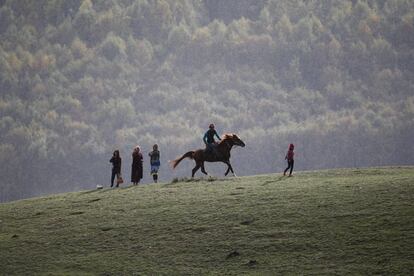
[136, 169]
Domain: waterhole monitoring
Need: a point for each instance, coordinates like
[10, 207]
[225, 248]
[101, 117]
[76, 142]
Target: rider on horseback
[209, 139]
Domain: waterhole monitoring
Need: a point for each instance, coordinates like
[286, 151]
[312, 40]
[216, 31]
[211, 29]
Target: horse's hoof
[234, 175]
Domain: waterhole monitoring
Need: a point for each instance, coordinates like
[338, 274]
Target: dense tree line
[80, 78]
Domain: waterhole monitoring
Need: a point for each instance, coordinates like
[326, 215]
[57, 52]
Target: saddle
[212, 151]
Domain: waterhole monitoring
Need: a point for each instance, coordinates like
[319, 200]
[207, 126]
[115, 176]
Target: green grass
[324, 222]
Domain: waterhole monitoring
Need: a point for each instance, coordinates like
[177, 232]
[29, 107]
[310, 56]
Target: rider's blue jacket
[209, 136]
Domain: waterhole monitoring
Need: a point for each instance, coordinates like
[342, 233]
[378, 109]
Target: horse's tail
[175, 162]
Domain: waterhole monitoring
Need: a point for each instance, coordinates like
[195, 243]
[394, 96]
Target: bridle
[230, 143]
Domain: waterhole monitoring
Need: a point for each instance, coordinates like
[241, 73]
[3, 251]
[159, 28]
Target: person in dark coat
[116, 167]
[136, 170]
[289, 158]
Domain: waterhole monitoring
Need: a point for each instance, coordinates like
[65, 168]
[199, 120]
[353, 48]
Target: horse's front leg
[195, 169]
[203, 170]
[227, 172]
[229, 168]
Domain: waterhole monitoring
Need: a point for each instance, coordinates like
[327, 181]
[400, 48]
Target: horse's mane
[227, 136]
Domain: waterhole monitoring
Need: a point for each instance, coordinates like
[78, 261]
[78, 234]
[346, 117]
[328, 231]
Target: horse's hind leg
[203, 170]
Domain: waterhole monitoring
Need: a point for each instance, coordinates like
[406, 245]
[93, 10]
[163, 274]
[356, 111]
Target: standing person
[136, 170]
[155, 162]
[116, 167]
[289, 158]
[209, 139]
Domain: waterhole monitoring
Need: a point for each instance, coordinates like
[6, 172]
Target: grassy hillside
[357, 221]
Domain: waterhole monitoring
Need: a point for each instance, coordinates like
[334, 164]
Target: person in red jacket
[289, 158]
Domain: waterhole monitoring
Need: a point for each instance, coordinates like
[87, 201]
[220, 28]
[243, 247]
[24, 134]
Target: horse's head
[237, 141]
[234, 139]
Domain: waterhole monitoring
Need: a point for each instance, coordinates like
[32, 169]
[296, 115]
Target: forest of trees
[80, 78]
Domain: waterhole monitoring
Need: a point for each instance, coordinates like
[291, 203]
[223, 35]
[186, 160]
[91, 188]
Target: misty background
[79, 79]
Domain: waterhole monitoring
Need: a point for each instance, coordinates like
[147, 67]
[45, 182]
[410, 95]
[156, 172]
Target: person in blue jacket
[209, 139]
[116, 167]
[155, 162]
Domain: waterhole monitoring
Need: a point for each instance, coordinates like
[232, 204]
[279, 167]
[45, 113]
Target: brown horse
[222, 149]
